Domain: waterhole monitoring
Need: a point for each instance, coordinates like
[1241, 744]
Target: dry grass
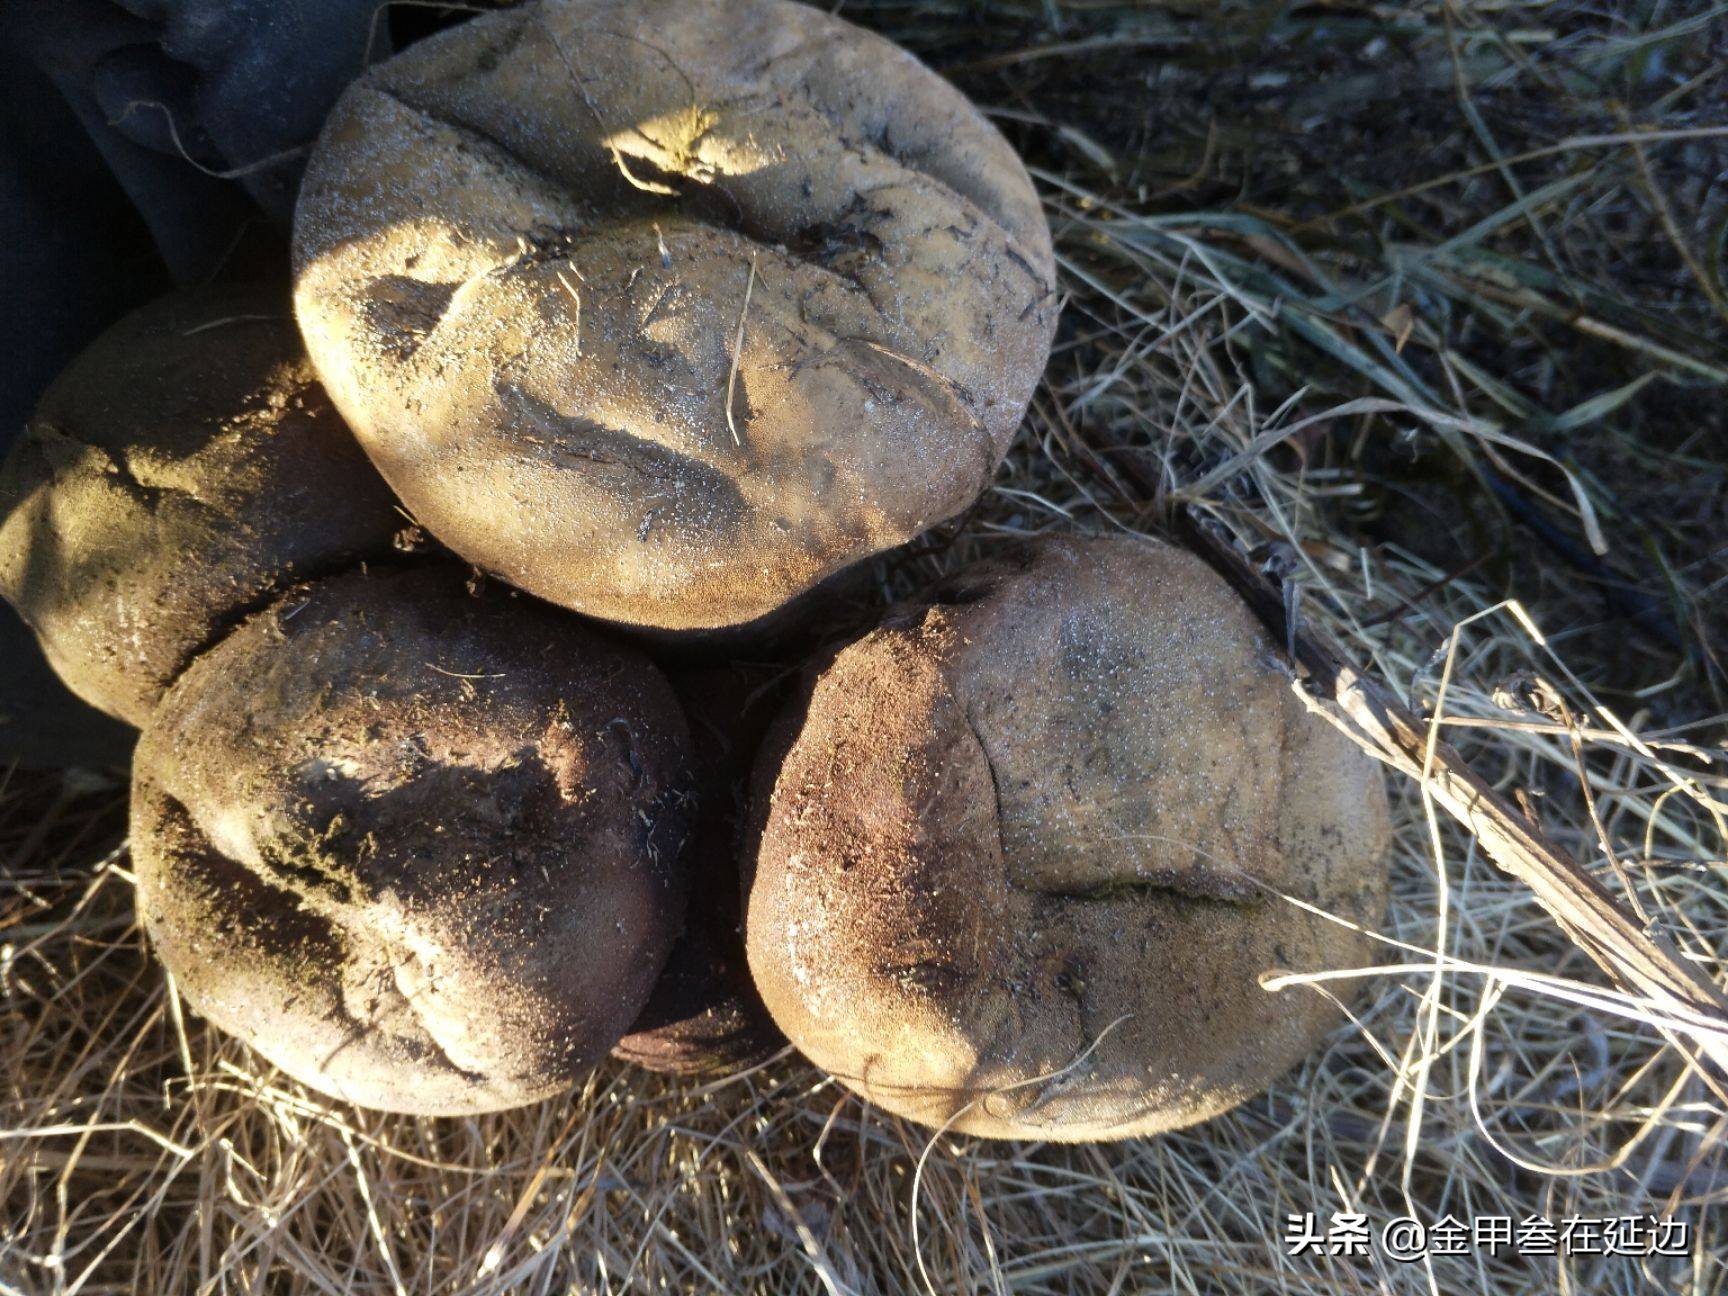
[1424, 302]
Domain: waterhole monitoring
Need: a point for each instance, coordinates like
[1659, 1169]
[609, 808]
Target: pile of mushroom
[464, 596]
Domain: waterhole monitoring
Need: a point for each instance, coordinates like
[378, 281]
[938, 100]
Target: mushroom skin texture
[425, 852]
[1019, 863]
[704, 1017]
[665, 310]
[184, 470]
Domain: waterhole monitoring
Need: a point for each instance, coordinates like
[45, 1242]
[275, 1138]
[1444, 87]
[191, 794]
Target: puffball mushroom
[1029, 848]
[425, 852]
[704, 1016]
[185, 469]
[665, 311]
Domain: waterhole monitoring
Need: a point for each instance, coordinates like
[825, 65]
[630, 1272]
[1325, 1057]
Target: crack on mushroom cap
[391, 1021]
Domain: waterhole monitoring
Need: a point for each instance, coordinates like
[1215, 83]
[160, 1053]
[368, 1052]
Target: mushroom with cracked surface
[667, 311]
[705, 1017]
[1025, 850]
[424, 851]
[183, 471]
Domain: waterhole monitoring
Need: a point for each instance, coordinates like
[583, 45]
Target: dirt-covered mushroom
[1032, 844]
[663, 310]
[705, 1016]
[424, 851]
[186, 468]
